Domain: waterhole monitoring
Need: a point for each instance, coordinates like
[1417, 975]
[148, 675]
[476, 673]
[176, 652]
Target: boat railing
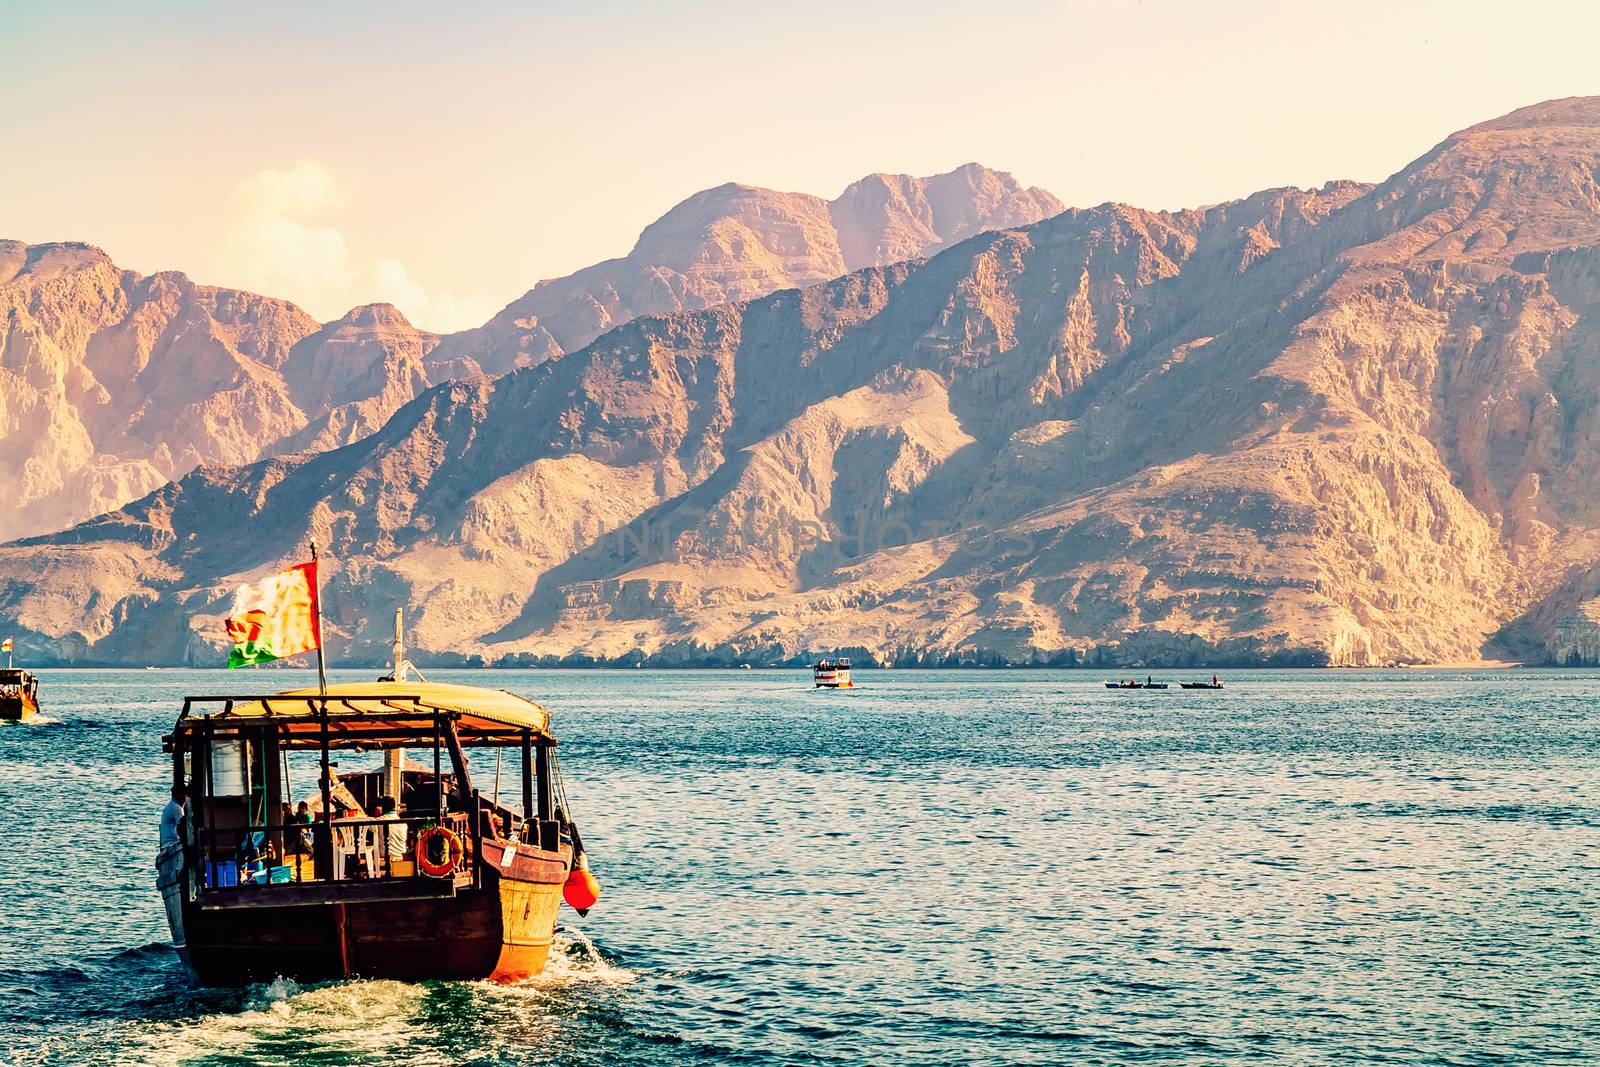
[274, 854]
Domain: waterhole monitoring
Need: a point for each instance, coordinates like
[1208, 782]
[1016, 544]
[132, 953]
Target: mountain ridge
[138, 379]
[734, 242]
[1347, 425]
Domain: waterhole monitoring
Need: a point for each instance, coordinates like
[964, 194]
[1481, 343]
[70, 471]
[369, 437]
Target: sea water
[999, 866]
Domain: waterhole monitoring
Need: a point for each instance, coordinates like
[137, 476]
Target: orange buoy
[582, 888]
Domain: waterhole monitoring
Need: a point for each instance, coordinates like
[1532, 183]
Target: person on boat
[1214, 683]
[395, 833]
[1148, 679]
[171, 863]
[173, 820]
[302, 818]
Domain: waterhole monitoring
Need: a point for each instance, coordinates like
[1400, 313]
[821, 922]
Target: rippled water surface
[938, 867]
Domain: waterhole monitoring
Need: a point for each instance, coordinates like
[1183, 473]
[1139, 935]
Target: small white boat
[832, 674]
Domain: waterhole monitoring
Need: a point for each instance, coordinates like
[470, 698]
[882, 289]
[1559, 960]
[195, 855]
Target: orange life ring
[454, 852]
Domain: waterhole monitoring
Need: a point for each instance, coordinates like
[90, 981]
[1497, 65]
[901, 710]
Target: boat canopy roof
[372, 714]
[14, 675]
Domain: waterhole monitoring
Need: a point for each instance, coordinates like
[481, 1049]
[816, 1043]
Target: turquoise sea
[996, 866]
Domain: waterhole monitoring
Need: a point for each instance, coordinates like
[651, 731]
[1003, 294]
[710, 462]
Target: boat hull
[18, 710]
[500, 930]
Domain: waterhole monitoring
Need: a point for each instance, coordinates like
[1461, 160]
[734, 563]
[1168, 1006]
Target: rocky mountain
[736, 242]
[1349, 425]
[112, 384]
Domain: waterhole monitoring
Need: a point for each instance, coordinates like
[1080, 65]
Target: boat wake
[575, 959]
[360, 1021]
[283, 1021]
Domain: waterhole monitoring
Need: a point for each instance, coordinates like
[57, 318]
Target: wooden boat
[1135, 684]
[1201, 685]
[832, 674]
[19, 695]
[261, 891]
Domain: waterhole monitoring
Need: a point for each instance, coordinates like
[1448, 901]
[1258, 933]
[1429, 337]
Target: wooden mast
[324, 859]
[528, 813]
[394, 760]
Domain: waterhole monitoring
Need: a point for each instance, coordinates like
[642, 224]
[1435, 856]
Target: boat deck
[313, 893]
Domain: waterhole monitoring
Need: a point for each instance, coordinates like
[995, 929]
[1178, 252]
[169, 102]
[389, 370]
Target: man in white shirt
[395, 834]
[170, 866]
[172, 819]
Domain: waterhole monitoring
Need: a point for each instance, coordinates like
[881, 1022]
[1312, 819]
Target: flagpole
[325, 854]
[322, 662]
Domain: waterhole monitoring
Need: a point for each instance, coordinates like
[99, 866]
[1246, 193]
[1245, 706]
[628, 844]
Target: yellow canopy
[361, 713]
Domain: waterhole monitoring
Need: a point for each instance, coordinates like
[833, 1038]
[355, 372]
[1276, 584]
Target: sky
[445, 157]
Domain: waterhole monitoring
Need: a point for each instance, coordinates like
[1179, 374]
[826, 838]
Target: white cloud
[277, 248]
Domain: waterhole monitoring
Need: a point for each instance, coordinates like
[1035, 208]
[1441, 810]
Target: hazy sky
[445, 156]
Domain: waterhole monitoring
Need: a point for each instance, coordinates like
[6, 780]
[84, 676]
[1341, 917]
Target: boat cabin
[832, 674]
[285, 808]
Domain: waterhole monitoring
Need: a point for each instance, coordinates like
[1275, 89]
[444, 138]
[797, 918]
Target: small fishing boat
[1215, 683]
[1134, 683]
[19, 695]
[832, 674]
[409, 870]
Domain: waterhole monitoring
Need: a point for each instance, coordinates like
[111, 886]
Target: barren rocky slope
[112, 384]
[1348, 425]
[736, 242]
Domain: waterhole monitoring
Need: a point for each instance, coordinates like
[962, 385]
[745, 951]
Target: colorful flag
[275, 618]
[5, 646]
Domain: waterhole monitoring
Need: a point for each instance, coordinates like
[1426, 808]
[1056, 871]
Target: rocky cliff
[1347, 425]
[112, 384]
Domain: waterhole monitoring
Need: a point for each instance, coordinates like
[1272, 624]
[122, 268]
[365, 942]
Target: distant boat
[832, 674]
[1134, 683]
[1215, 683]
[744, 666]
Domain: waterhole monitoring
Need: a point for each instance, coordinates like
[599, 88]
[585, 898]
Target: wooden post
[323, 856]
[546, 806]
[438, 780]
[202, 810]
[529, 814]
[178, 740]
[341, 929]
[458, 759]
